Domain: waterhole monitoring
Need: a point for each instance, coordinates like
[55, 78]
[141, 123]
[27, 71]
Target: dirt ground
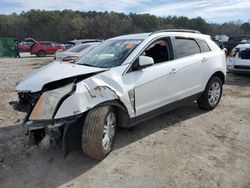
[184, 148]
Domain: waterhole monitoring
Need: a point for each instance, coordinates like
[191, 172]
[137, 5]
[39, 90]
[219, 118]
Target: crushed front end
[40, 108]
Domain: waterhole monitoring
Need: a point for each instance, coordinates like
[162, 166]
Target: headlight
[47, 103]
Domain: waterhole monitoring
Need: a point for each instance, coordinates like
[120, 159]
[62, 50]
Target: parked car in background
[43, 48]
[239, 59]
[122, 82]
[234, 41]
[75, 52]
[221, 38]
[26, 44]
[72, 43]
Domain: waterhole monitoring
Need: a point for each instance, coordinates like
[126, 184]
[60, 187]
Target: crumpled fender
[85, 98]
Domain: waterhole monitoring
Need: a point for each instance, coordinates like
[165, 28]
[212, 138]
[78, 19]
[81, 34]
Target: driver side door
[151, 87]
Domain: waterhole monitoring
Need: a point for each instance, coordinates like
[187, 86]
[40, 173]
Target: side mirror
[145, 61]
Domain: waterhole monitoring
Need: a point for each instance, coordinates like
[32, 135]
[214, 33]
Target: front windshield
[110, 53]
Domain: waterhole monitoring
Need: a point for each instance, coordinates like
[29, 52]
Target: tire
[98, 132]
[41, 53]
[212, 94]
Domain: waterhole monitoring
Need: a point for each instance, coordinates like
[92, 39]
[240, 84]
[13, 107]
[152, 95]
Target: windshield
[110, 53]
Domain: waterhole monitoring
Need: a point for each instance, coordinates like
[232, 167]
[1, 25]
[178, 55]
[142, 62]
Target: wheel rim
[214, 93]
[109, 131]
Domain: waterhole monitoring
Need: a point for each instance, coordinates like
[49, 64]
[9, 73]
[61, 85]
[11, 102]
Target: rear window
[203, 45]
[27, 43]
[185, 47]
[69, 44]
[78, 48]
[46, 43]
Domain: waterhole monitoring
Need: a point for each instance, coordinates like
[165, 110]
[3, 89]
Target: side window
[185, 47]
[54, 44]
[46, 43]
[158, 50]
[203, 45]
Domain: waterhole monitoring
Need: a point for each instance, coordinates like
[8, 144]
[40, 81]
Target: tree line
[67, 24]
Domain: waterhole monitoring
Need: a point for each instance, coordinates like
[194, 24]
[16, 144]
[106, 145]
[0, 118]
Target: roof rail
[176, 30]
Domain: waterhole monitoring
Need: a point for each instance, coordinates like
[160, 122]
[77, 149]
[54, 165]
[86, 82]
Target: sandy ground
[185, 148]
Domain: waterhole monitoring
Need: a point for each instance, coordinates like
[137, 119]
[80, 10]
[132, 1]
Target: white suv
[239, 59]
[122, 82]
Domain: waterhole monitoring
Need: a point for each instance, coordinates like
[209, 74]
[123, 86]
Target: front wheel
[212, 94]
[98, 132]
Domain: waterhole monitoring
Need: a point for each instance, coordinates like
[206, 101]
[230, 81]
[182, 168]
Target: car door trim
[164, 109]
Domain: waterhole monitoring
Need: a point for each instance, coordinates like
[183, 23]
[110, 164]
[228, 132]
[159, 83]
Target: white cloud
[211, 10]
[101, 5]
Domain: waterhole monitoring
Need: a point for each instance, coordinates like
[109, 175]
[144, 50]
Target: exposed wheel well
[122, 113]
[221, 75]
[72, 132]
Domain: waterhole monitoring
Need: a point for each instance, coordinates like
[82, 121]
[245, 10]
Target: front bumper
[238, 69]
[51, 123]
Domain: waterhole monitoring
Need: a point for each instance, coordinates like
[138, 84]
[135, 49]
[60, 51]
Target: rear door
[50, 48]
[188, 60]
[55, 47]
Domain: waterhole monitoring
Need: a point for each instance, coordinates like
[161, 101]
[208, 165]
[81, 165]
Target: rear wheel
[98, 132]
[41, 53]
[212, 94]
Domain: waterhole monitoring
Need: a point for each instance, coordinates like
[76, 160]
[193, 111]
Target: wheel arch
[39, 51]
[72, 132]
[121, 111]
[221, 75]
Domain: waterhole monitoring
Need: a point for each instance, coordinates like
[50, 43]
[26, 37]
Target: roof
[142, 36]
[138, 36]
[79, 41]
[176, 30]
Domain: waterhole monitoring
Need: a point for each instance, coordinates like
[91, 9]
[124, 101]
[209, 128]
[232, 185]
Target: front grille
[27, 101]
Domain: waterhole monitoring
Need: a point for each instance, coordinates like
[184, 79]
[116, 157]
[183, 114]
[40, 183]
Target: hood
[61, 55]
[53, 72]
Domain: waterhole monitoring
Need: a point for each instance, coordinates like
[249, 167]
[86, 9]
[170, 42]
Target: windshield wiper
[89, 65]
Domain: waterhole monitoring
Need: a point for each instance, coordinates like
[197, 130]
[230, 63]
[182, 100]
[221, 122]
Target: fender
[85, 98]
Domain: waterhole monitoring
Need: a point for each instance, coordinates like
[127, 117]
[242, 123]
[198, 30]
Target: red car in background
[43, 48]
[26, 44]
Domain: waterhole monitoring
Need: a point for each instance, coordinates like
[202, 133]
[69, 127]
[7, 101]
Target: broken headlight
[48, 102]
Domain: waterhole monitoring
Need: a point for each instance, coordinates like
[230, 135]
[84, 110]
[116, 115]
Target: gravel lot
[185, 148]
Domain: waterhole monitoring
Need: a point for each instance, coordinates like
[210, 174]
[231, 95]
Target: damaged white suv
[122, 82]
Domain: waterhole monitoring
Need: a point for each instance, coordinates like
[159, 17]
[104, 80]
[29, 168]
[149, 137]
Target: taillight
[69, 58]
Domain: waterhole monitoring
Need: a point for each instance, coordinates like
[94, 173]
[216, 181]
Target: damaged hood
[53, 72]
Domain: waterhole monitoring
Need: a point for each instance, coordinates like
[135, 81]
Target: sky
[213, 11]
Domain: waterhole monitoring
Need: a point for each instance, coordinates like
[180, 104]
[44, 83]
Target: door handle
[173, 71]
[204, 59]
